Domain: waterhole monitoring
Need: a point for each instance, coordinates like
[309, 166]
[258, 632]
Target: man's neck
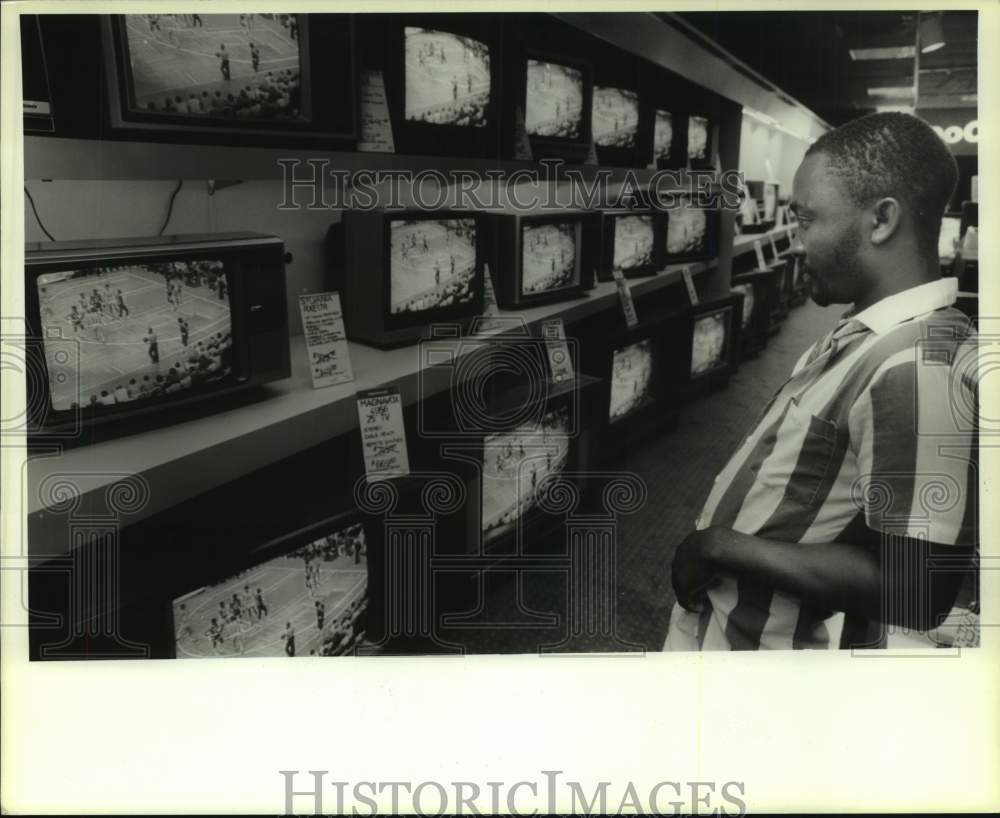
[901, 276]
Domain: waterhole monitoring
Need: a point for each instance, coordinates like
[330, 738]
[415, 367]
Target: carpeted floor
[678, 469]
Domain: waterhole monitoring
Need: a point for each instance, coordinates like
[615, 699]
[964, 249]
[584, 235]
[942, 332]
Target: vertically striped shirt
[874, 431]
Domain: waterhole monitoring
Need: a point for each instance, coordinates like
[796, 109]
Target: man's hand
[693, 573]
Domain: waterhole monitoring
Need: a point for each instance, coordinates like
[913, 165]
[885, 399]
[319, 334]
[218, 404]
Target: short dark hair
[894, 154]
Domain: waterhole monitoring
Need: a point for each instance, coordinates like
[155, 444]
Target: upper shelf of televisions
[456, 85]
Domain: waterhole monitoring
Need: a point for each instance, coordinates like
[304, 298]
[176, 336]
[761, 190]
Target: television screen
[432, 264]
[515, 462]
[633, 242]
[708, 347]
[748, 301]
[687, 230]
[663, 135]
[770, 201]
[949, 236]
[144, 331]
[631, 379]
[615, 118]
[311, 601]
[245, 66]
[698, 138]
[554, 103]
[447, 78]
[549, 257]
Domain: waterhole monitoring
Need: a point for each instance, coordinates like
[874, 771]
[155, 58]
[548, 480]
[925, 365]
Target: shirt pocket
[801, 457]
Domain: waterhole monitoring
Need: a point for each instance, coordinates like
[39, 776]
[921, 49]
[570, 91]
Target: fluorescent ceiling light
[931, 33]
[891, 109]
[898, 52]
[899, 92]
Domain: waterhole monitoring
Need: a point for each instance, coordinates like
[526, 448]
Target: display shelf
[186, 459]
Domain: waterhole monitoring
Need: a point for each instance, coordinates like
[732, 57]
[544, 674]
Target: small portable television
[755, 311]
[701, 141]
[306, 594]
[249, 76]
[557, 105]
[706, 344]
[633, 242]
[542, 257]
[949, 238]
[141, 326]
[615, 124]
[398, 272]
[522, 461]
[692, 232]
[442, 76]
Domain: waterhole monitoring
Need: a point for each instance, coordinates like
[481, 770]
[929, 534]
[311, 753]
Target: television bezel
[227, 568]
[754, 337]
[545, 147]
[403, 321]
[122, 116]
[712, 219]
[609, 219]
[43, 417]
[702, 311]
[427, 138]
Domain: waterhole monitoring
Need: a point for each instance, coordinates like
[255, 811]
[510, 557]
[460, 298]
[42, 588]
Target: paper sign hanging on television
[376, 127]
[326, 342]
[758, 249]
[625, 297]
[689, 283]
[383, 436]
[560, 364]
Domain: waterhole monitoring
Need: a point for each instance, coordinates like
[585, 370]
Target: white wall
[759, 142]
[113, 209]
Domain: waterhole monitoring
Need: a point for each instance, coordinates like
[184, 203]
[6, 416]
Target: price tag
[522, 144]
[625, 296]
[326, 342]
[689, 283]
[758, 248]
[774, 247]
[560, 365]
[376, 127]
[380, 417]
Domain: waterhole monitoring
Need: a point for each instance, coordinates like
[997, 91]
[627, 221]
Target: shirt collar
[883, 315]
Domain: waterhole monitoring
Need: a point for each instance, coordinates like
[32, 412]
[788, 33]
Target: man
[223, 56]
[817, 532]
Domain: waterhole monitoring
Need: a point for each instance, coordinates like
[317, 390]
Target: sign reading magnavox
[958, 127]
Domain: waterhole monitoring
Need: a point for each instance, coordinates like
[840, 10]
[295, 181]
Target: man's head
[869, 196]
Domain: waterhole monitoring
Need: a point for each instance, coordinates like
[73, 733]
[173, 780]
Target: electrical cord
[34, 210]
[170, 206]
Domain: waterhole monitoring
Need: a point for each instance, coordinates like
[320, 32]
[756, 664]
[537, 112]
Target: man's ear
[885, 216]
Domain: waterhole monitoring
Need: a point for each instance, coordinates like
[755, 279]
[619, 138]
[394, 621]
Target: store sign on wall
[958, 127]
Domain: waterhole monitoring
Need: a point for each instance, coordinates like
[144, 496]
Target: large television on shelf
[251, 77]
[633, 242]
[692, 232]
[558, 91]
[668, 142]
[139, 327]
[542, 257]
[701, 141]
[616, 117]
[398, 272]
[442, 79]
[305, 594]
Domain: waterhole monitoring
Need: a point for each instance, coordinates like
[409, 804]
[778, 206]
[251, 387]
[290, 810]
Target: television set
[540, 258]
[257, 78]
[138, 327]
[615, 123]
[701, 141]
[398, 272]
[666, 132]
[950, 236]
[306, 594]
[706, 343]
[633, 242]
[557, 106]
[442, 78]
[692, 232]
[755, 310]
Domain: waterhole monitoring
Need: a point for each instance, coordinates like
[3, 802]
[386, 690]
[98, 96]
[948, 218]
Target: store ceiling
[808, 55]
